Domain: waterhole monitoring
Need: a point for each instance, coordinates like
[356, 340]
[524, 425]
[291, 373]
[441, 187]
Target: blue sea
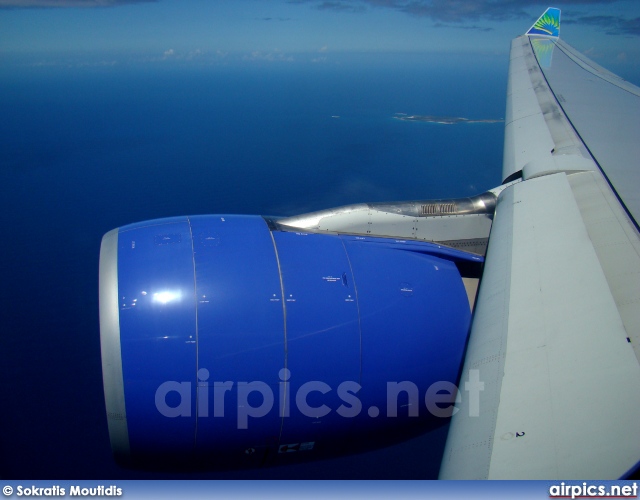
[85, 148]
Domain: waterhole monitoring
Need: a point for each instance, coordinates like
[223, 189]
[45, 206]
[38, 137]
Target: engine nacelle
[228, 342]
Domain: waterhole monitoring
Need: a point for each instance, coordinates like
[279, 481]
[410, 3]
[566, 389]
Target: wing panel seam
[624, 206]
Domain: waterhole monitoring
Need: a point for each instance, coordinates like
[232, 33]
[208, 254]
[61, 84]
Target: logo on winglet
[548, 24]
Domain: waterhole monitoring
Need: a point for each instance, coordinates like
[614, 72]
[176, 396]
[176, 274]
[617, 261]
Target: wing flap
[561, 382]
[566, 350]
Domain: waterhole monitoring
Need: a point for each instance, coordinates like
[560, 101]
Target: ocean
[87, 148]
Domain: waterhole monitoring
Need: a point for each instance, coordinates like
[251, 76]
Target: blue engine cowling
[228, 342]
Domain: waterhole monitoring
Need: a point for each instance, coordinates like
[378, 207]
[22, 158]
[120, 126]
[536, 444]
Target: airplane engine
[227, 341]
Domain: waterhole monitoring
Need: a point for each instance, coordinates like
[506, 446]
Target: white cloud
[17, 4]
[70, 63]
[593, 53]
[275, 56]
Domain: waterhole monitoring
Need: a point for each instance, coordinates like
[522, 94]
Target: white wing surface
[555, 339]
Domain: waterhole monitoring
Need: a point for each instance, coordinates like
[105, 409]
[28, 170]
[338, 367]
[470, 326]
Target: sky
[111, 32]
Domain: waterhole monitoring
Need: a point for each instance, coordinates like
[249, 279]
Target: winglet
[548, 24]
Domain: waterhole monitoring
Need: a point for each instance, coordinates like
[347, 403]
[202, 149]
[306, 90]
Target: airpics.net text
[175, 399]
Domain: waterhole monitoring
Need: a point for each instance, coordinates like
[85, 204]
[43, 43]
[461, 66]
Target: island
[446, 120]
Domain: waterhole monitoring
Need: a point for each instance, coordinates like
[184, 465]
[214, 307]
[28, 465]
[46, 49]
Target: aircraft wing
[554, 348]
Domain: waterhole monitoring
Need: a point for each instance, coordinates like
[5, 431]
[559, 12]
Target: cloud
[72, 64]
[34, 4]
[196, 56]
[449, 11]
[458, 26]
[342, 6]
[275, 56]
[613, 25]
[592, 53]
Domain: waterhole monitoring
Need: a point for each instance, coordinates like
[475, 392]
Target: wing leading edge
[555, 336]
